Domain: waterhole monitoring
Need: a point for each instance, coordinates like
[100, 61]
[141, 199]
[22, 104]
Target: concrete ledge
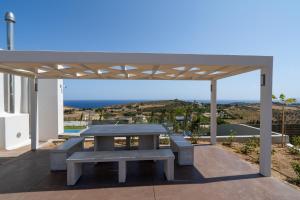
[276, 139]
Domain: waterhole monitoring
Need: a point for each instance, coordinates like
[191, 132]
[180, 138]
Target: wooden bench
[184, 149]
[59, 155]
[75, 161]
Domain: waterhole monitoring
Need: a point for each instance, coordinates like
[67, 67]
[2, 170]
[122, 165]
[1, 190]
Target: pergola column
[265, 121]
[33, 85]
[213, 112]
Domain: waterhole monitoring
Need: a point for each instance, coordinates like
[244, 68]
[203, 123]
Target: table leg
[104, 143]
[95, 143]
[156, 141]
[146, 142]
[128, 142]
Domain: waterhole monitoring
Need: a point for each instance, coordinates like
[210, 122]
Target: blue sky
[253, 27]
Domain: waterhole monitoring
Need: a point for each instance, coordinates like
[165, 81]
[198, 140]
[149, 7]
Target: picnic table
[104, 135]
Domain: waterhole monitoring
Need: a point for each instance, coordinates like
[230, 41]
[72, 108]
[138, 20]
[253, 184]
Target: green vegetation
[194, 138]
[294, 151]
[295, 140]
[74, 127]
[164, 141]
[250, 145]
[228, 141]
[284, 102]
[296, 168]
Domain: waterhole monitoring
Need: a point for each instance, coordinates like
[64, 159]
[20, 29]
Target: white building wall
[24, 95]
[18, 94]
[50, 108]
[1, 93]
[60, 103]
[14, 127]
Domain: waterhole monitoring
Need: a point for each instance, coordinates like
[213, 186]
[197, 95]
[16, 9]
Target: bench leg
[58, 161]
[128, 142]
[74, 171]
[173, 146]
[105, 143]
[186, 156]
[169, 169]
[146, 142]
[122, 171]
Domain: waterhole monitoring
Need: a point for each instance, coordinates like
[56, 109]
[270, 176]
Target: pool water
[72, 130]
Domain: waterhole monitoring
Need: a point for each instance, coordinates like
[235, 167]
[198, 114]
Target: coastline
[84, 104]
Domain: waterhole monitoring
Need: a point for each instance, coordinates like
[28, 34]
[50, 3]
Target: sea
[85, 104]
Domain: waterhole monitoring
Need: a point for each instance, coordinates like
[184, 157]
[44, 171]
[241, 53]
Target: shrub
[295, 140]
[194, 139]
[164, 141]
[229, 140]
[273, 151]
[256, 158]
[250, 145]
[294, 151]
[296, 168]
[253, 141]
[246, 149]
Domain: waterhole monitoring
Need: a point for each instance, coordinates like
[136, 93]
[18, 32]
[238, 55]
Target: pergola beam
[3, 70]
[236, 72]
[130, 58]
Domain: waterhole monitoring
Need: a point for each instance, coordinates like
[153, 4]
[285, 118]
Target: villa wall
[1, 93]
[14, 127]
[13, 136]
[242, 133]
[50, 108]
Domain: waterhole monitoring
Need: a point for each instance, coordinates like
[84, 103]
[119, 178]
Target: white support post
[24, 95]
[265, 121]
[34, 114]
[213, 112]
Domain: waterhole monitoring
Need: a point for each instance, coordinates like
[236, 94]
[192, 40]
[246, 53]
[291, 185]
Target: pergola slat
[139, 66]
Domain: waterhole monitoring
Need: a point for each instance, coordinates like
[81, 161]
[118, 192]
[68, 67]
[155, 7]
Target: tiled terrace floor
[217, 174]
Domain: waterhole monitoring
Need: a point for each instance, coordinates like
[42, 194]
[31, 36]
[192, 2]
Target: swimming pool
[72, 130]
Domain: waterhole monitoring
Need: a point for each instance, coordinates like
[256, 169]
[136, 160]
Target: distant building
[180, 118]
[141, 118]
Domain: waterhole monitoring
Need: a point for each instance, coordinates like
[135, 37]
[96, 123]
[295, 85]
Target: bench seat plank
[103, 156]
[68, 144]
[74, 162]
[59, 155]
[184, 148]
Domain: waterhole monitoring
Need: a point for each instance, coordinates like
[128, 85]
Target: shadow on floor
[30, 172]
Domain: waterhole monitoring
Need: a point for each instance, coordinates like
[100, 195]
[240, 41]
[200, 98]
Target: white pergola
[145, 66]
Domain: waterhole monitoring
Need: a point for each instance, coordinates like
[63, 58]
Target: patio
[217, 174]
[145, 66]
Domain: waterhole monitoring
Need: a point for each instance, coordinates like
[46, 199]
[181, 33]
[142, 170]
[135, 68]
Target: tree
[152, 117]
[162, 116]
[188, 112]
[81, 117]
[284, 102]
[171, 116]
[100, 111]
